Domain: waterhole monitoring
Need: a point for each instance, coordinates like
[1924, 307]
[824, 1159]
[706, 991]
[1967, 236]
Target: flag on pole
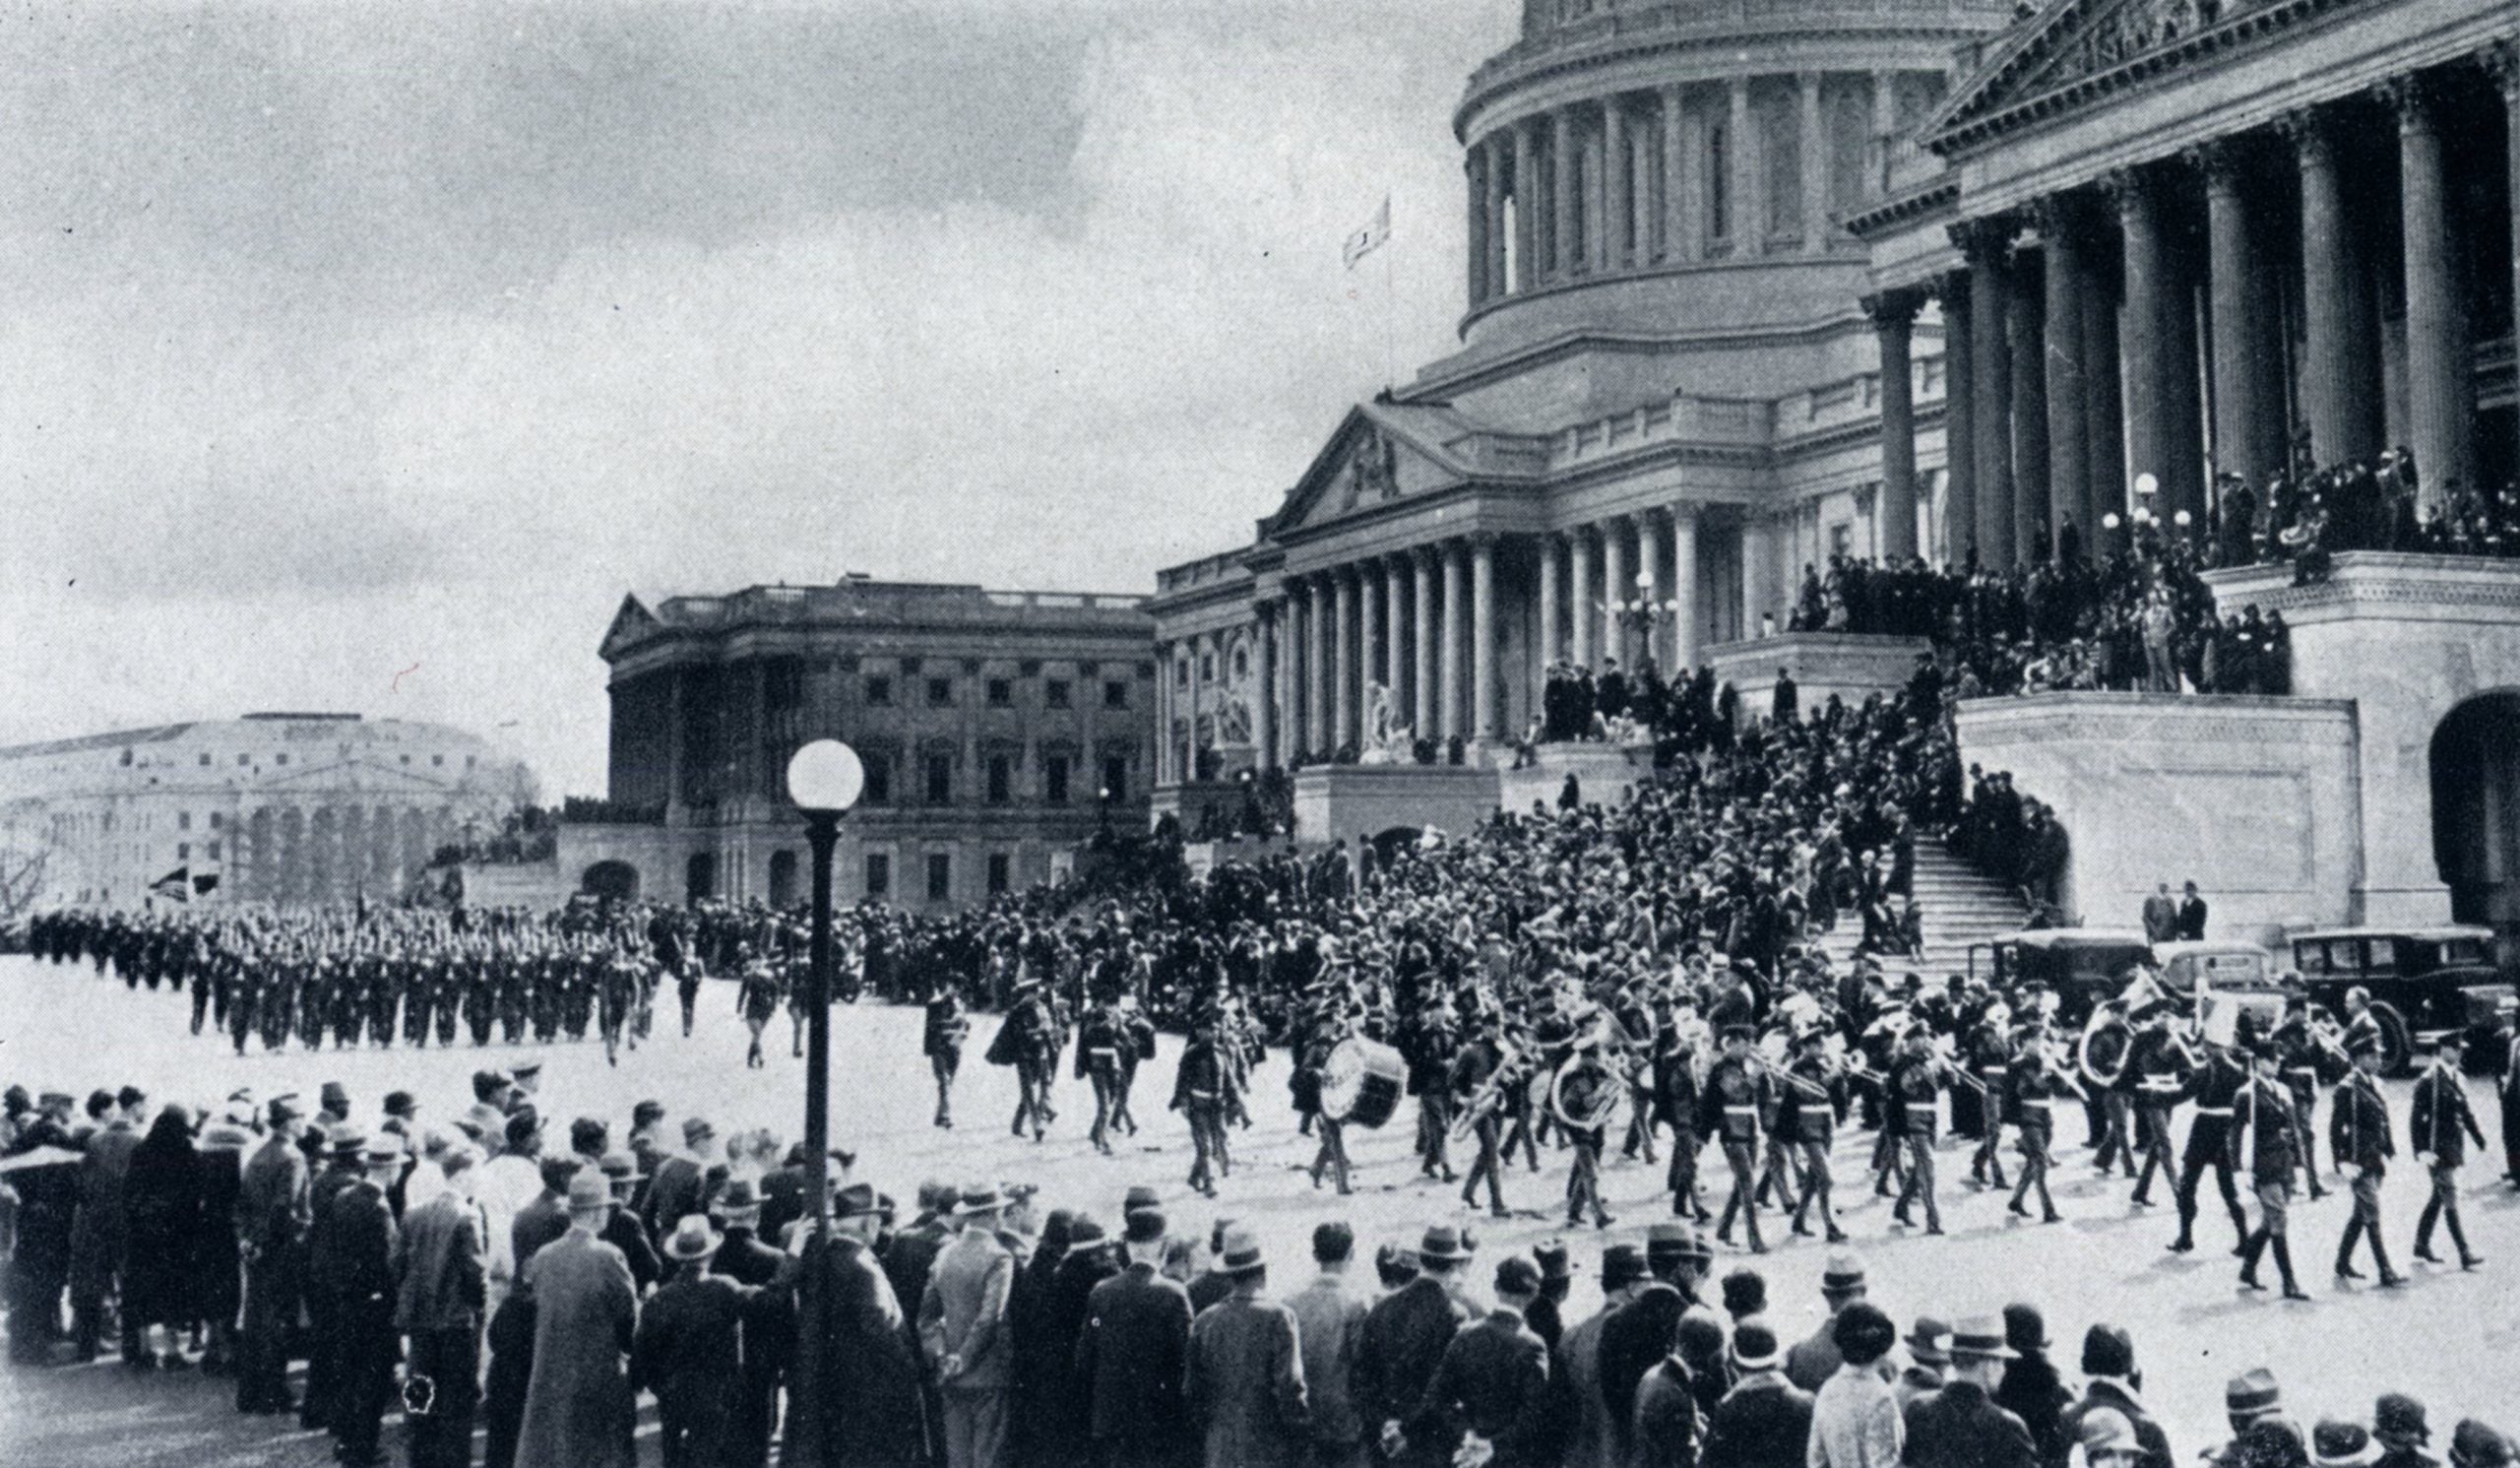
[176, 886]
[205, 879]
[1370, 239]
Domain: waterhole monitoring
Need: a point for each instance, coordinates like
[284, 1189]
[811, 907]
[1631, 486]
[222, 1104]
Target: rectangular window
[214, 820]
[1001, 778]
[1002, 872]
[1115, 777]
[205, 759]
[183, 849]
[1054, 779]
[1116, 693]
[214, 850]
[879, 874]
[243, 761]
[880, 693]
[280, 759]
[1054, 693]
[941, 693]
[879, 780]
[940, 779]
[1718, 183]
[1207, 668]
[940, 876]
[1001, 695]
[183, 821]
[1181, 673]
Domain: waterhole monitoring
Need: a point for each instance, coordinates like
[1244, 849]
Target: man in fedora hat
[2107, 1440]
[2398, 1426]
[2031, 1388]
[1130, 1355]
[441, 1263]
[870, 1411]
[578, 1404]
[325, 1358]
[1928, 1343]
[1491, 1387]
[1961, 1427]
[1405, 1333]
[273, 1215]
[1815, 1357]
[1764, 1418]
[2342, 1445]
[1577, 1362]
[358, 1226]
[688, 1351]
[962, 1324]
[1243, 1376]
[680, 1183]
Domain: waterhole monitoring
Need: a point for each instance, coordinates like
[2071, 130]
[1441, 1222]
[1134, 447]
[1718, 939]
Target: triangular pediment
[632, 623]
[2075, 52]
[1374, 457]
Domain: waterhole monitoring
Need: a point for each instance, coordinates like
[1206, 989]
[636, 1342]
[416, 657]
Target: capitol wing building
[1670, 394]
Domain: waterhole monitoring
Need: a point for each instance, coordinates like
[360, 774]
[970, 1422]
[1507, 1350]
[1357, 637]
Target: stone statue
[1387, 740]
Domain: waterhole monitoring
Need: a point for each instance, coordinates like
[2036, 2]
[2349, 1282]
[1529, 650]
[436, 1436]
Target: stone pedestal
[1343, 802]
[1853, 668]
[2254, 799]
[1190, 802]
[2404, 639]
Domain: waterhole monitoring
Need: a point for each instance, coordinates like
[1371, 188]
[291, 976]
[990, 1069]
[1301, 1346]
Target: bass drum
[1362, 1082]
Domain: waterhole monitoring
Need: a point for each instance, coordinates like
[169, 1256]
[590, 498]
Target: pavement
[2448, 1338]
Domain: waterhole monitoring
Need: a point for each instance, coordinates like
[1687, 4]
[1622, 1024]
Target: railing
[1647, 20]
[585, 810]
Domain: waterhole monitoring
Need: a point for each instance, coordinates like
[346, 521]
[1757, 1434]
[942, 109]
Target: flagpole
[1390, 358]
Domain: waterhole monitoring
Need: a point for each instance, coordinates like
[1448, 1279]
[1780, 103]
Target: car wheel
[2397, 1044]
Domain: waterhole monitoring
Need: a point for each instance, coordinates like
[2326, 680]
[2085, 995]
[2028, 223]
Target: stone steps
[1958, 909]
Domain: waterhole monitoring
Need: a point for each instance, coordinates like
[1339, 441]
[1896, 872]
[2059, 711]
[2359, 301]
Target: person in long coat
[869, 1412]
[163, 1228]
[1065, 1434]
[579, 1408]
[688, 1352]
[1130, 1354]
[1244, 1378]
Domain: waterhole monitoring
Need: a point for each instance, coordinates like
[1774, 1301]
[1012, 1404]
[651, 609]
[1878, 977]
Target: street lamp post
[824, 779]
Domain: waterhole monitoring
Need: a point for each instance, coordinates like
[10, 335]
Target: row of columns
[1648, 559]
[2038, 342]
[1634, 179]
[1421, 622]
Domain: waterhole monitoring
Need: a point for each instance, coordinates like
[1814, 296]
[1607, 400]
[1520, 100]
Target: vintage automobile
[2214, 981]
[2081, 966]
[2424, 983]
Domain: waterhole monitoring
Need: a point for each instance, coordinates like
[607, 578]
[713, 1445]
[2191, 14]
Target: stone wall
[1604, 775]
[1340, 802]
[1822, 663]
[2257, 801]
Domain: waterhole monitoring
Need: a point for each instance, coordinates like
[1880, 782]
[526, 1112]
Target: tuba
[1585, 1093]
[1491, 1096]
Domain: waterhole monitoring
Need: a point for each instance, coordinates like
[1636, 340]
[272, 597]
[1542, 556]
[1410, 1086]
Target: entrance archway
[783, 879]
[700, 877]
[2476, 810]
[618, 880]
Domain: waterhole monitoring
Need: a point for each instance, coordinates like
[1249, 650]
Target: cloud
[961, 378]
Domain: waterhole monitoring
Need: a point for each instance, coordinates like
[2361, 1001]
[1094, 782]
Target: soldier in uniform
[1198, 1093]
[2299, 1047]
[2213, 1086]
[2030, 1092]
[1099, 1044]
[1428, 1047]
[1315, 1059]
[2440, 1127]
[1583, 1178]
[2359, 1136]
[2105, 1049]
[1814, 1094]
[758, 993]
[1989, 1051]
[618, 1001]
[1676, 1102]
[1914, 1080]
[1472, 1067]
[943, 1044]
[2156, 1076]
[2265, 1138]
[1737, 1096]
[1138, 1036]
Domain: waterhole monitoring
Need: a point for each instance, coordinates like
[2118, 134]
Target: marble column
[2502, 62]
[1395, 617]
[1959, 420]
[2440, 406]
[2066, 280]
[1988, 244]
[1499, 159]
[1653, 550]
[1618, 584]
[1264, 684]
[1527, 211]
[2028, 310]
[2327, 351]
[2246, 393]
[1680, 233]
[1685, 586]
[1747, 206]
[1894, 318]
[1422, 566]
[2147, 303]
[1648, 245]
[1448, 712]
[1566, 148]
[1477, 184]
[1166, 663]
[1579, 594]
[1483, 639]
[1815, 167]
[1319, 665]
[2104, 423]
[1617, 210]
[1369, 634]
[1190, 720]
[1758, 570]
[1551, 589]
[1343, 656]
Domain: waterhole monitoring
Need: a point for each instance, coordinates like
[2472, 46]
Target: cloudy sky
[362, 359]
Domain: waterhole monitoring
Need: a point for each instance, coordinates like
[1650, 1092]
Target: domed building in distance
[271, 808]
[1668, 399]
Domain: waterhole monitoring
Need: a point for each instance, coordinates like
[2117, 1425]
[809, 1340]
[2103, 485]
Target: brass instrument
[1584, 1095]
[1489, 1098]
